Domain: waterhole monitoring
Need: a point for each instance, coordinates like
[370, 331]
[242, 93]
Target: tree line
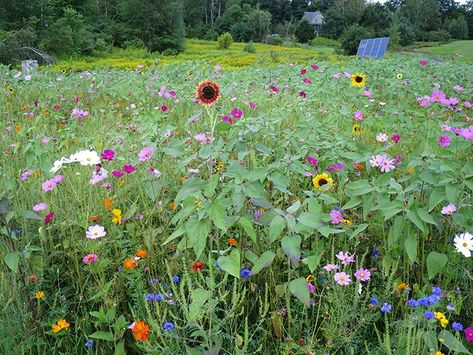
[83, 27]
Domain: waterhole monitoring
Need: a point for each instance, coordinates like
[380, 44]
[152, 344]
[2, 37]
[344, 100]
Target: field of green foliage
[307, 204]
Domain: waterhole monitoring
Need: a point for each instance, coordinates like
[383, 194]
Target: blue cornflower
[457, 326]
[433, 299]
[176, 279]
[149, 297]
[413, 303]
[245, 273]
[429, 315]
[424, 301]
[374, 300]
[217, 265]
[159, 297]
[89, 343]
[436, 291]
[153, 280]
[386, 308]
[16, 231]
[168, 326]
[375, 252]
[450, 307]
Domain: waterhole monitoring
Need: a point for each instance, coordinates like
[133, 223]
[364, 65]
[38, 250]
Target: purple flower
[108, 155]
[227, 119]
[396, 138]
[345, 257]
[145, 154]
[359, 116]
[444, 140]
[26, 175]
[245, 273]
[457, 326]
[413, 303]
[330, 267]
[335, 167]
[374, 300]
[342, 278]
[386, 308]
[449, 209]
[310, 287]
[429, 315]
[312, 161]
[237, 113]
[117, 173]
[168, 326]
[49, 185]
[337, 216]
[252, 105]
[363, 274]
[58, 178]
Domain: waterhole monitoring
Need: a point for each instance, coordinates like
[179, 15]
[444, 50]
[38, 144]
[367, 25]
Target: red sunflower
[208, 92]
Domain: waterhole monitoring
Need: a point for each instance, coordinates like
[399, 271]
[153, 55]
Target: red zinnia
[208, 92]
[199, 266]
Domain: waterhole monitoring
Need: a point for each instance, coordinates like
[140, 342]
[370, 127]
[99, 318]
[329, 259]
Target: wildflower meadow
[317, 208]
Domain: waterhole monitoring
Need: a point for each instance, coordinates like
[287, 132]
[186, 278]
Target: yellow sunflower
[322, 182]
[356, 129]
[358, 80]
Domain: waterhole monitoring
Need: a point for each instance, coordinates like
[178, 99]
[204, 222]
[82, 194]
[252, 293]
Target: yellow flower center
[465, 245]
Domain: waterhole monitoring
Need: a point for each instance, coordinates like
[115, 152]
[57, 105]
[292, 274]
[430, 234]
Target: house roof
[314, 18]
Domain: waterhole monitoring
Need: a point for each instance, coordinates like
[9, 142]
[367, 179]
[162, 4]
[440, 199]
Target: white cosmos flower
[86, 157]
[464, 244]
[95, 232]
[376, 160]
[382, 137]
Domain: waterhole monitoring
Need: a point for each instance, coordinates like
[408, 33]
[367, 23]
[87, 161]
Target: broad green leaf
[311, 220]
[452, 192]
[312, 262]
[177, 233]
[263, 261]
[298, 288]
[451, 342]
[153, 189]
[120, 348]
[435, 263]
[30, 215]
[414, 218]
[12, 260]
[276, 228]
[292, 247]
[210, 188]
[102, 335]
[358, 230]
[217, 215]
[294, 208]
[355, 201]
[197, 232]
[425, 216]
[410, 244]
[231, 263]
[436, 196]
[248, 227]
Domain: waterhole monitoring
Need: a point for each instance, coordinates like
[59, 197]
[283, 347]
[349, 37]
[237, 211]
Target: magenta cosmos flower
[89, 258]
[108, 155]
[145, 154]
[444, 140]
[48, 217]
[396, 138]
[342, 278]
[128, 169]
[359, 116]
[237, 113]
[337, 216]
[117, 173]
[312, 161]
[363, 274]
[469, 334]
[423, 62]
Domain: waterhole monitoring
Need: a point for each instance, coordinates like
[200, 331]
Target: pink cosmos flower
[156, 173]
[145, 154]
[252, 105]
[275, 89]
[382, 137]
[449, 209]
[437, 96]
[79, 114]
[58, 178]
[48, 217]
[467, 104]
[444, 140]
[302, 94]
[458, 88]
[307, 80]
[117, 173]
[337, 216]
[363, 274]
[164, 108]
[310, 287]
[108, 155]
[45, 140]
[423, 62]
[49, 185]
[368, 94]
[303, 71]
[98, 175]
[331, 267]
[202, 138]
[128, 169]
[89, 258]
[227, 119]
[25, 175]
[314, 66]
[342, 278]
[39, 207]
[396, 138]
[359, 116]
[345, 257]
[386, 164]
[376, 160]
[312, 161]
[217, 68]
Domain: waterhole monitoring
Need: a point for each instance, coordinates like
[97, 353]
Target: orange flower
[141, 253]
[141, 331]
[172, 205]
[107, 203]
[55, 328]
[401, 287]
[130, 263]
[94, 219]
[359, 167]
[232, 242]
[63, 324]
[199, 266]
[18, 128]
[37, 173]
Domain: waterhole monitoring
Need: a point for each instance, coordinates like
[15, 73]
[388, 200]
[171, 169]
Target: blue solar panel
[373, 47]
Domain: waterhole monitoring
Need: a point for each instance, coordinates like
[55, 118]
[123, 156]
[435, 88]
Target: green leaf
[355, 201]
[153, 189]
[177, 233]
[425, 216]
[217, 215]
[102, 335]
[263, 261]
[276, 228]
[231, 263]
[248, 227]
[410, 244]
[4, 205]
[294, 208]
[449, 340]
[298, 288]
[310, 219]
[120, 348]
[210, 188]
[12, 260]
[358, 230]
[436, 196]
[435, 263]
[414, 218]
[313, 261]
[30, 215]
[292, 247]
[198, 232]
[452, 192]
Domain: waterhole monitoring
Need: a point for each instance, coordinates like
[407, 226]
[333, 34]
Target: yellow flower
[411, 170]
[63, 324]
[322, 182]
[347, 222]
[441, 318]
[117, 216]
[399, 76]
[38, 295]
[55, 328]
[401, 287]
[356, 130]
[197, 204]
[11, 91]
[358, 80]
